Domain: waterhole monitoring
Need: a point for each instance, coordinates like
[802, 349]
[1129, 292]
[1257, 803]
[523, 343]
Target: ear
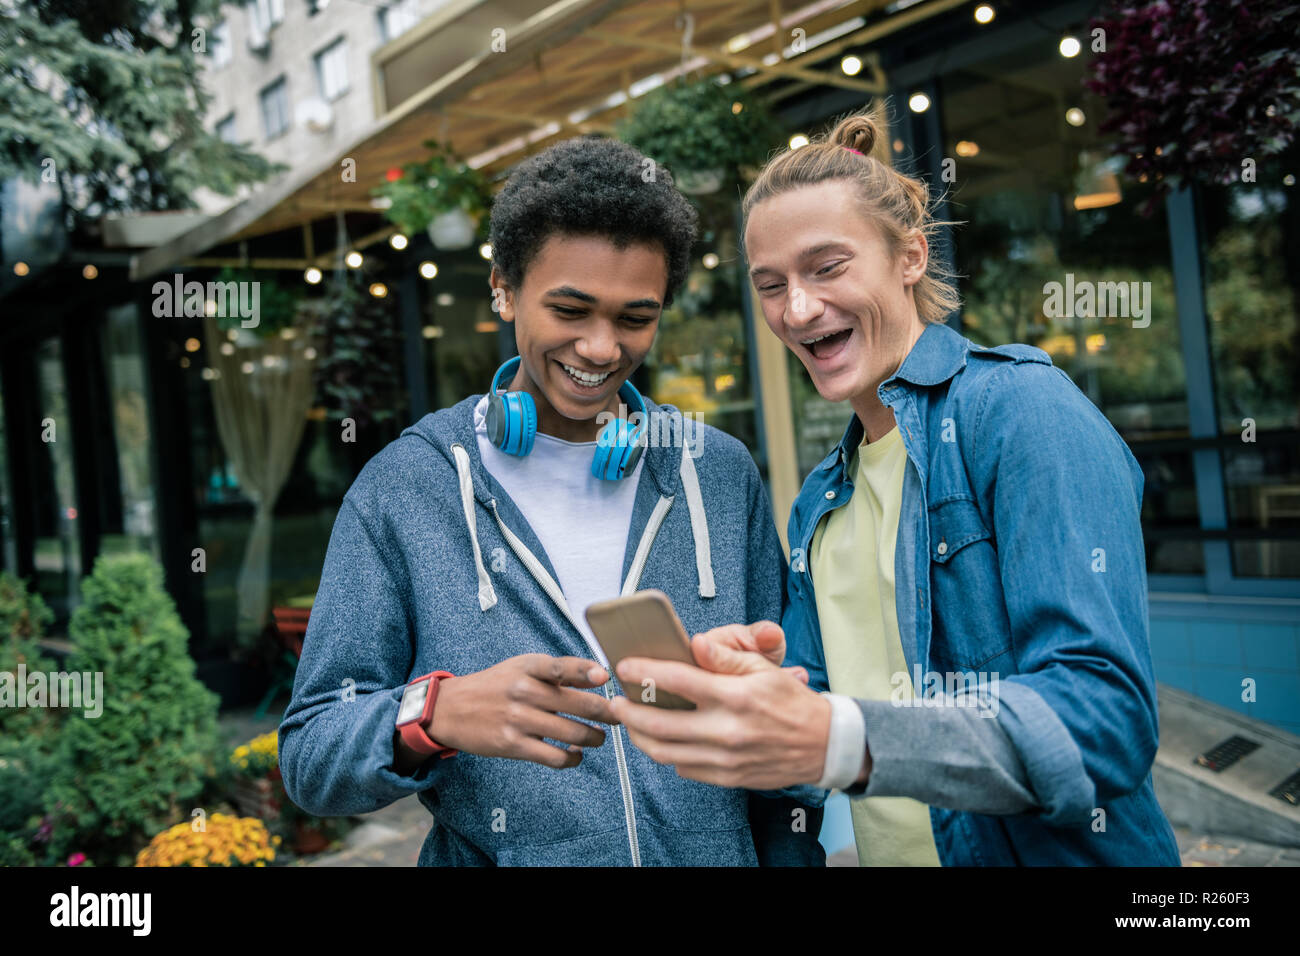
[914, 257]
[503, 298]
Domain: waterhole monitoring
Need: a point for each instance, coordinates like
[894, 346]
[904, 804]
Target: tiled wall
[1208, 647]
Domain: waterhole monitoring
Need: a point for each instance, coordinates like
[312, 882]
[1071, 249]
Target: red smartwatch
[416, 709]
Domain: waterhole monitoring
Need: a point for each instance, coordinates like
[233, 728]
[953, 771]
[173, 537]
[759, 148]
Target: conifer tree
[133, 770]
[104, 98]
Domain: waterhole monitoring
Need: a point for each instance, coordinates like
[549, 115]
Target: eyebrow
[572, 293]
[806, 254]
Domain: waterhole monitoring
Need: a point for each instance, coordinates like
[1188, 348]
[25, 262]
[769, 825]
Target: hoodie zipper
[643, 549]
[553, 590]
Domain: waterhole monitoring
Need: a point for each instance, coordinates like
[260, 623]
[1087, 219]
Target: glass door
[57, 555]
[8, 547]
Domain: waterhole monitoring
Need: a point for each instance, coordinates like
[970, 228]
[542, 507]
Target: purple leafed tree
[1197, 87]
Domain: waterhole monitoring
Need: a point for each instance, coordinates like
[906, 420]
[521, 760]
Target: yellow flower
[228, 841]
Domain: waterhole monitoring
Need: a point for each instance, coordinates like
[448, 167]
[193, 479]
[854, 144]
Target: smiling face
[832, 291]
[585, 318]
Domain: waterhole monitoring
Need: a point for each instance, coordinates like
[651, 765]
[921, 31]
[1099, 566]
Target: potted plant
[311, 834]
[257, 786]
[706, 133]
[440, 194]
[222, 840]
[277, 307]
[258, 792]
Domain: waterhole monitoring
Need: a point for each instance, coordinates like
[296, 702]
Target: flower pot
[308, 839]
[452, 230]
[700, 182]
[256, 798]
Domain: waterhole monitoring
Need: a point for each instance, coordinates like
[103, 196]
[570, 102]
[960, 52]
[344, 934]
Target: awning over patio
[556, 71]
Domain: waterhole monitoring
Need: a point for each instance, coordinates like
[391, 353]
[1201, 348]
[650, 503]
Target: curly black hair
[589, 186]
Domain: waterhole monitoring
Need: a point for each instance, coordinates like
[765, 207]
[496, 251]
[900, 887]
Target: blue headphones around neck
[512, 427]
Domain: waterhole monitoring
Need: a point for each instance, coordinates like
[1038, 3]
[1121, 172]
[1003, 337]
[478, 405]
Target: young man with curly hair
[448, 654]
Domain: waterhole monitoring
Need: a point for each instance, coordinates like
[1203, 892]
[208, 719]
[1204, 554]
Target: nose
[802, 308]
[599, 345]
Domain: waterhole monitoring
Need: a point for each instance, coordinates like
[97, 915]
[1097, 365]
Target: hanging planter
[440, 194]
[453, 230]
[706, 133]
[700, 182]
[359, 345]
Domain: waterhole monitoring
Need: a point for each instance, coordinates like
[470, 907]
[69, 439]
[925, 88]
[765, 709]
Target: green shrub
[131, 772]
[14, 852]
[23, 778]
[28, 735]
[23, 619]
[23, 616]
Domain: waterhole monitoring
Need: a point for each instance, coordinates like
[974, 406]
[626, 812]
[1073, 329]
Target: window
[220, 51]
[226, 129]
[396, 18]
[700, 361]
[332, 70]
[1055, 253]
[127, 517]
[262, 15]
[275, 109]
[1252, 299]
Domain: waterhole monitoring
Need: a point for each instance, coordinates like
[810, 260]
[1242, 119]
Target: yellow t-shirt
[852, 565]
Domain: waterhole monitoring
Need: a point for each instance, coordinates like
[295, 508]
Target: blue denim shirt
[1019, 557]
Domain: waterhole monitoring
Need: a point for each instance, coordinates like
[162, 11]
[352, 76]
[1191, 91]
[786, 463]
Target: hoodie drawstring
[487, 597]
[699, 524]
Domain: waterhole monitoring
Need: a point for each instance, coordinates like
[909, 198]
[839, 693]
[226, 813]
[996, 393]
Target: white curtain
[260, 394]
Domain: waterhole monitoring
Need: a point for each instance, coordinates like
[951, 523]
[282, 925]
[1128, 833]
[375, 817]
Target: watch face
[412, 702]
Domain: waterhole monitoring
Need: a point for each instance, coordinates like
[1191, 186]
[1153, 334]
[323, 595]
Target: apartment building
[293, 78]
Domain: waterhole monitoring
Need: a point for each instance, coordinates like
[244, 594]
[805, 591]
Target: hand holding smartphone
[642, 624]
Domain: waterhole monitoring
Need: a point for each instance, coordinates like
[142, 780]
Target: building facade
[1196, 364]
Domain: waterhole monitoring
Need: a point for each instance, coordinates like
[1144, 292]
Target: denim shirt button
[830, 496]
[943, 547]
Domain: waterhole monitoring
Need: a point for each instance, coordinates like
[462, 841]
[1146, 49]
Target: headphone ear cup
[600, 461]
[495, 420]
[523, 422]
[511, 422]
[617, 451]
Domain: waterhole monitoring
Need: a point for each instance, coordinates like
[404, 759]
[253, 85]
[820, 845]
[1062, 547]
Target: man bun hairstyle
[591, 186]
[896, 203]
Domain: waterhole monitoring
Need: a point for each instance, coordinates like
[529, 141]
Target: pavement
[393, 835]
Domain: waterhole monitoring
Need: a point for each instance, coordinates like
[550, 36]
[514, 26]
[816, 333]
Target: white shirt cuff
[846, 747]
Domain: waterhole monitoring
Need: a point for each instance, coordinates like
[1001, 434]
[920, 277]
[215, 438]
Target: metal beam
[867, 35]
[323, 261]
[735, 61]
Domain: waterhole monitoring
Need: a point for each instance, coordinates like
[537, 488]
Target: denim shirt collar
[938, 355]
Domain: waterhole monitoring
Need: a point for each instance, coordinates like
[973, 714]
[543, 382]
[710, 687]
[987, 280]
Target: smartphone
[642, 624]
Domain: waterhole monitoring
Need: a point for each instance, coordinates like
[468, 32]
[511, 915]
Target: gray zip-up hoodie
[431, 566]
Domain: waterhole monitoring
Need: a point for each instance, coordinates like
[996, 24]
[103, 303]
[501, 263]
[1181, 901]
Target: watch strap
[414, 734]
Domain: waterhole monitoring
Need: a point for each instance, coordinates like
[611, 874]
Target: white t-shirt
[582, 521]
